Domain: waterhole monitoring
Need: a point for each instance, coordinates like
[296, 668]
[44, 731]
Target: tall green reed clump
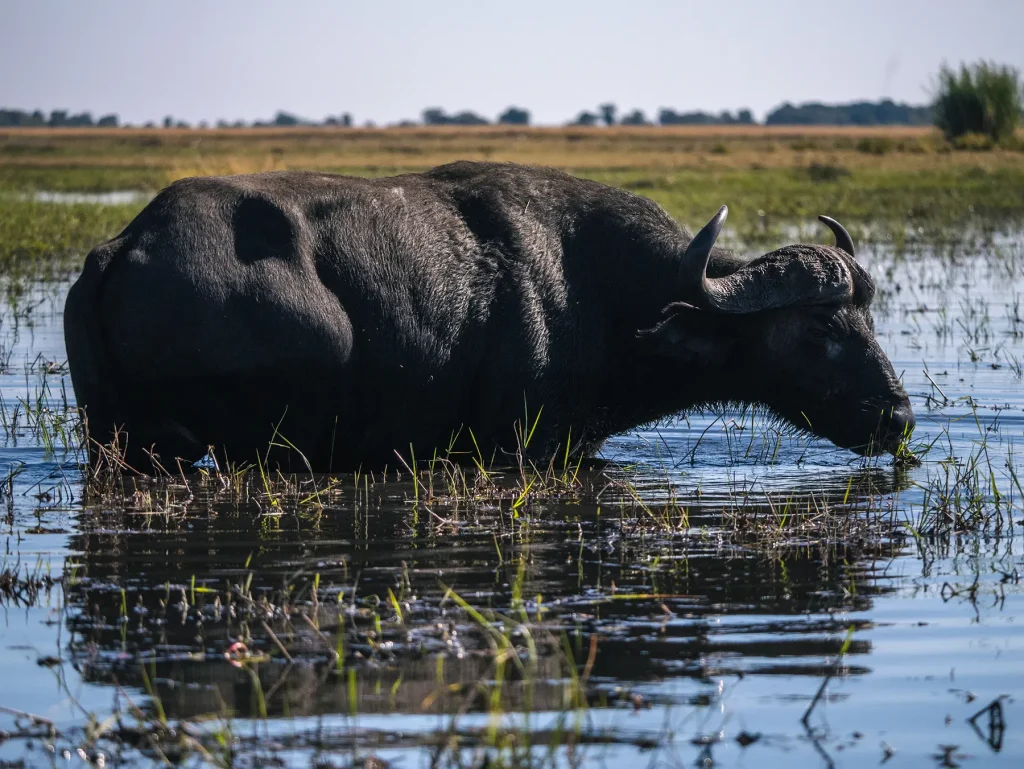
[981, 98]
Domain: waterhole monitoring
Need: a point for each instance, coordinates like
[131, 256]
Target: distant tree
[182, 124]
[608, 113]
[636, 117]
[343, 119]
[434, 116]
[514, 116]
[982, 98]
[168, 122]
[468, 118]
[437, 116]
[585, 118]
[787, 114]
[17, 117]
[671, 117]
[285, 119]
[108, 121]
[60, 118]
[864, 113]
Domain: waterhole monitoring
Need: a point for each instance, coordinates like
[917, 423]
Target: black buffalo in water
[465, 306]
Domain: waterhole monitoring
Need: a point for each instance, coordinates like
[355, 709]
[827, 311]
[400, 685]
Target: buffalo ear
[686, 334]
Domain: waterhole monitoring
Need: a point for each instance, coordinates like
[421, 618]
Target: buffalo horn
[694, 264]
[843, 239]
[789, 277]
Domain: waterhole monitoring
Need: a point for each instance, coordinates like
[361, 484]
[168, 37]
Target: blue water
[735, 640]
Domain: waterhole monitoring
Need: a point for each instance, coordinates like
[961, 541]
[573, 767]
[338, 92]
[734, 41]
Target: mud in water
[724, 591]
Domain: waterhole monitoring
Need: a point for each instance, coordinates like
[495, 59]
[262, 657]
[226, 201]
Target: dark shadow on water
[626, 592]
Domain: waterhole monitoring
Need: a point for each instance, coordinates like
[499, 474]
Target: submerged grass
[513, 678]
[512, 675]
[930, 491]
[952, 492]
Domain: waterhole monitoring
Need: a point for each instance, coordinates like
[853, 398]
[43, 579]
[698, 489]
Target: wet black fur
[364, 315]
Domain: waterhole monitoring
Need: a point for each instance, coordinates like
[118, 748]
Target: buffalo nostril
[900, 424]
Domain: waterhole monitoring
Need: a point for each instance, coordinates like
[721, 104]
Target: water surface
[693, 599]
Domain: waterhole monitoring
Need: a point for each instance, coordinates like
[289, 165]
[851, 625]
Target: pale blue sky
[384, 61]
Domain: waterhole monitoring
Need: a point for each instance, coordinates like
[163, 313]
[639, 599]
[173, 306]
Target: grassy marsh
[723, 590]
[882, 183]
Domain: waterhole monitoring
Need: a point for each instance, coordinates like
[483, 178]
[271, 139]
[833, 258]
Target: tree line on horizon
[980, 104]
[861, 113]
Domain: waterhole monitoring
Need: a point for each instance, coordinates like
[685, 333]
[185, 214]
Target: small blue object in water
[209, 462]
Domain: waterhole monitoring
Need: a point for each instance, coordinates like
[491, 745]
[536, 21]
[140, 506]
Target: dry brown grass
[162, 155]
[772, 174]
[683, 131]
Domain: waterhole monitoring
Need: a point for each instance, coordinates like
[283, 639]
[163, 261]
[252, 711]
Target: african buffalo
[353, 317]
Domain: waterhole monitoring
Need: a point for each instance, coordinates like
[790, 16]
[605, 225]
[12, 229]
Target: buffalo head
[791, 330]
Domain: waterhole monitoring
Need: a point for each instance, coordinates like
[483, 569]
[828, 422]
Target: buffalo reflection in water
[216, 570]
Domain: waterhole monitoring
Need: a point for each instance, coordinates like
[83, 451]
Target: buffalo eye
[823, 330]
[818, 333]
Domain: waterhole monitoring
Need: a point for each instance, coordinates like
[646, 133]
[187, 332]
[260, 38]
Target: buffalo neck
[637, 278]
